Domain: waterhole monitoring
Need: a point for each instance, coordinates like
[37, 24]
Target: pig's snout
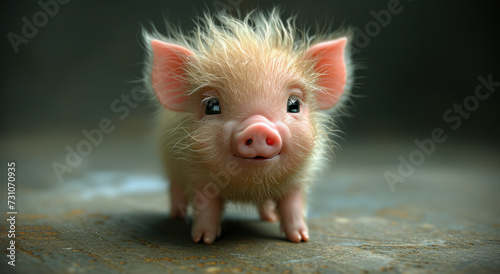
[258, 140]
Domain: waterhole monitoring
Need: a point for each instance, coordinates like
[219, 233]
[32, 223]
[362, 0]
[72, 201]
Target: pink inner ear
[331, 65]
[167, 75]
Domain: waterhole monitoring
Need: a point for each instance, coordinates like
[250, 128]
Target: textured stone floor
[111, 214]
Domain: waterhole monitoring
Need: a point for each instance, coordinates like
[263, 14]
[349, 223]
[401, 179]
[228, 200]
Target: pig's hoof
[296, 232]
[206, 234]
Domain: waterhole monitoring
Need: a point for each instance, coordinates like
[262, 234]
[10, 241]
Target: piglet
[244, 116]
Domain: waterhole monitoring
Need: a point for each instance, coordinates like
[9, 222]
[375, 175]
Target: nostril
[269, 141]
[249, 142]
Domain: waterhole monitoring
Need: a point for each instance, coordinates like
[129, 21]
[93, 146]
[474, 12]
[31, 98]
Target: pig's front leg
[178, 200]
[267, 211]
[207, 213]
[293, 223]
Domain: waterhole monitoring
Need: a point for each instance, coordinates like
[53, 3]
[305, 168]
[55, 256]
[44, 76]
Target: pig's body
[241, 118]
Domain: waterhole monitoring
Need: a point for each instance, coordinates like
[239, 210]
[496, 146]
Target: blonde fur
[242, 58]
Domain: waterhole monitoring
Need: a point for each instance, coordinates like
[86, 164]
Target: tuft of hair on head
[217, 34]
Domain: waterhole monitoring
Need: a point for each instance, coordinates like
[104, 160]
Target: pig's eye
[212, 106]
[293, 105]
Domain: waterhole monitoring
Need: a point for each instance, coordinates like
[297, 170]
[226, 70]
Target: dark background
[108, 213]
[425, 60]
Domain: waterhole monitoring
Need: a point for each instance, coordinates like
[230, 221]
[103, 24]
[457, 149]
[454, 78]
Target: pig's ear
[331, 65]
[167, 77]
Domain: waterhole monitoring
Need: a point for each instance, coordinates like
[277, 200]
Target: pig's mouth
[257, 158]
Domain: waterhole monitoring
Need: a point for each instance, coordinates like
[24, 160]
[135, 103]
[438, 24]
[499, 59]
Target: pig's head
[250, 96]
